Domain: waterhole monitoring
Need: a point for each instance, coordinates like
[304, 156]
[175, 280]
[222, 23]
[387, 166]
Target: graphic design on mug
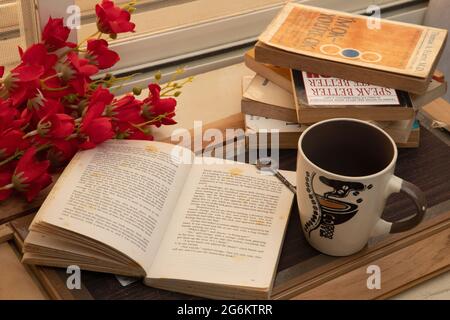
[328, 209]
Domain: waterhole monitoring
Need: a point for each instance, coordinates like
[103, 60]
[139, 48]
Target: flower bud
[180, 71]
[137, 91]
[71, 98]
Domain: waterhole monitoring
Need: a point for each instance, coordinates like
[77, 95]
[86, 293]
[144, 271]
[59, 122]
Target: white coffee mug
[345, 173]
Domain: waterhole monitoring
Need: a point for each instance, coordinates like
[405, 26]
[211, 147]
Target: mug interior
[348, 148]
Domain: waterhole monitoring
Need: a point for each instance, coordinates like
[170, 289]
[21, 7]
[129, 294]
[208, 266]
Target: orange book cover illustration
[352, 39]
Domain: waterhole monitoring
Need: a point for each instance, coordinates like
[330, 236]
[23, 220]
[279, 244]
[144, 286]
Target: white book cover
[323, 90]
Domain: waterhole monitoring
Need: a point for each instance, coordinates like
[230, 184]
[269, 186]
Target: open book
[154, 210]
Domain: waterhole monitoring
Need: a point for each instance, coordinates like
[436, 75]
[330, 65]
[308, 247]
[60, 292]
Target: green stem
[98, 33]
[158, 118]
[165, 90]
[50, 77]
[43, 147]
[7, 187]
[47, 88]
[11, 158]
[72, 136]
[30, 134]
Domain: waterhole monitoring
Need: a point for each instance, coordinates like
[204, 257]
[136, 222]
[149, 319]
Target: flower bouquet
[51, 106]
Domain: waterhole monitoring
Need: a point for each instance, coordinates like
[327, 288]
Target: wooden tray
[405, 259]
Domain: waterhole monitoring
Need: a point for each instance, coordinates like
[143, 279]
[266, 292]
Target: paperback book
[319, 98]
[282, 78]
[394, 55]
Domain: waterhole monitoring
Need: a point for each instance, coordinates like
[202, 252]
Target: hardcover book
[394, 54]
[202, 226]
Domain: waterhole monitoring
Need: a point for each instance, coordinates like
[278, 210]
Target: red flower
[96, 128]
[56, 87]
[100, 55]
[139, 135]
[128, 109]
[73, 77]
[8, 115]
[62, 151]
[11, 141]
[56, 126]
[126, 113]
[23, 82]
[81, 65]
[49, 107]
[157, 107]
[112, 19]
[30, 175]
[101, 95]
[37, 55]
[96, 131]
[55, 35]
[82, 72]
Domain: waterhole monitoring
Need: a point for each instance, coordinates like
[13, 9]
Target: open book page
[121, 193]
[227, 228]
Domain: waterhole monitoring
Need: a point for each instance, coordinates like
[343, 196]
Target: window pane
[153, 16]
[168, 31]
[10, 33]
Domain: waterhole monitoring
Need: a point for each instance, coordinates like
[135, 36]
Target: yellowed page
[122, 194]
[227, 229]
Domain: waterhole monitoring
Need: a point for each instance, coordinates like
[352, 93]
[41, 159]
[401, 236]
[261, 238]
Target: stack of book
[314, 64]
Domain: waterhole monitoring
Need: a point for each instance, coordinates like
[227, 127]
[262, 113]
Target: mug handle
[396, 185]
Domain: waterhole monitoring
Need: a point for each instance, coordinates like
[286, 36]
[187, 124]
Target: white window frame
[152, 50]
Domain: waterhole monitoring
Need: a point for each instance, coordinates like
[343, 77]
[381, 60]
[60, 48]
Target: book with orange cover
[395, 55]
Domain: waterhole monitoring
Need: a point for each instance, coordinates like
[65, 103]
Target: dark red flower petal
[55, 34]
[10, 142]
[28, 168]
[37, 185]
[5, 179]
